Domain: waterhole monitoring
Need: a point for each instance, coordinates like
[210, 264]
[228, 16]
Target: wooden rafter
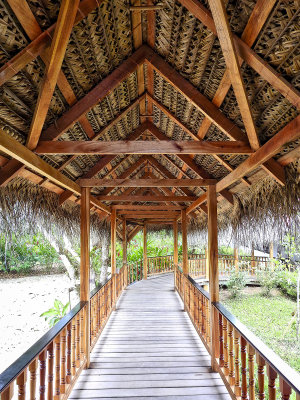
[207, 108]
[289, 133]
[247, 54]
[15, 149]
[231, 59]
[64, 25]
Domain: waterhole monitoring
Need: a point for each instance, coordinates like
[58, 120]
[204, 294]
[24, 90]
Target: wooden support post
[85, 266]
[236, 258]
[175, 233]
[124, 242]
[252, 260]
[113, 238]
[213, 270]
[185, 263]
[145, 261]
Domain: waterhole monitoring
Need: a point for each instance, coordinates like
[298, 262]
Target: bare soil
[22, 301]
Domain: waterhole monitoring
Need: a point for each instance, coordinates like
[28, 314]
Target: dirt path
[22, 300]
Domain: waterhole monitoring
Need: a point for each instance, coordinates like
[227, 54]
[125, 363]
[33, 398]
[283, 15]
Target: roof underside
[109, 35]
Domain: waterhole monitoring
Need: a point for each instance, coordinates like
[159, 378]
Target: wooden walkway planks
[150, 350]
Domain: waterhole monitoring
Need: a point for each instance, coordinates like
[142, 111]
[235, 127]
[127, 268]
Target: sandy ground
[22, 300]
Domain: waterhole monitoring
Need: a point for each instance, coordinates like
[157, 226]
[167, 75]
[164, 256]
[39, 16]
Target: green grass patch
[271, 319]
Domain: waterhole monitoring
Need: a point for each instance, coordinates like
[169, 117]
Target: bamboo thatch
[97, 46]
[26, 208]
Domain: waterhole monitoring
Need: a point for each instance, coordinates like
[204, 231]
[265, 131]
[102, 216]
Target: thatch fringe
[260, 215]
[26, 208]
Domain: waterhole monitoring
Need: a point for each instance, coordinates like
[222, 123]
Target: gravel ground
[22, 300]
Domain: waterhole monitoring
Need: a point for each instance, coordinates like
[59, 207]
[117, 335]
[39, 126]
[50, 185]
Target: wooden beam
[124, 241]
[185, 262]
[66, 18]
[231, 59]
[142, 207]
[151, 198]
[195, 97]
[103, 162]
[145, 182]
[247, 54]
[92, 98]
[134, 232]
[145, 261]
[142, 147]
[175, 234]
[287, 134]
[15, 149]
[153, 214]
[85, 267]
[40, 40]
[213, 270]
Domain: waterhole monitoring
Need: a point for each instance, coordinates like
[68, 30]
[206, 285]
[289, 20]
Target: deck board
[149, 349]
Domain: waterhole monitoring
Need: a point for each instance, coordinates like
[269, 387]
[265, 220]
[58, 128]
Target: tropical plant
[55, 314]
[268, 277]
[236, 283]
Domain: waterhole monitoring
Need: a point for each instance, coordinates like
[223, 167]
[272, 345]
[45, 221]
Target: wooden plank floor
[150, 350]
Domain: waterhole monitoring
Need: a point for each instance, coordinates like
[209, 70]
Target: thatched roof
[99, 45]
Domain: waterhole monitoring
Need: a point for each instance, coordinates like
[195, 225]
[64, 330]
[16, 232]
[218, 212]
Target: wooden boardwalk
[150, 350]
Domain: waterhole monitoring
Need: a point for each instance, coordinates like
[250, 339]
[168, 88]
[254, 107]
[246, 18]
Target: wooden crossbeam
[150, 214]
[64, 25]
[142, 147]
[102, 163]
[15, 149]
[231, 59]
[167, 207]
[146, 198]
[146, 182]
[247, 54]
[289, 133]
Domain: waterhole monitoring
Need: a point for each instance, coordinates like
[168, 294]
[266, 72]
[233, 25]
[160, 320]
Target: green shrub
[54, 314]
[287, 283]
[236, 283]
[268, 277]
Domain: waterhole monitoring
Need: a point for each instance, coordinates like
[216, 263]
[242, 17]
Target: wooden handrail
[15, 369]
[236, 347]
[291, 376]
[62, 346]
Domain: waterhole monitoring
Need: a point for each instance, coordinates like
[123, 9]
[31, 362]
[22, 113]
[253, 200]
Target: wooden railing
[241, 358]
[248, 264]
[158, 265]
[52, 365]
[135, 272]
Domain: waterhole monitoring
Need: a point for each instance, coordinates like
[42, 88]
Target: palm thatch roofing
[104, 39]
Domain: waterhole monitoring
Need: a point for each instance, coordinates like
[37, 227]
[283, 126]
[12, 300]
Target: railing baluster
[57, 368]
[42, 360]
[231, 354]
[244, 368]
[260, 376]
[221, 341]
[50, 371]
[272, 375]
[32, 369]
[63, 360]
[8, 393]
[21, 383]
[78, 341]
[69, 353]
[237, 387]
[225, 344]
[251, 354]
[285, 389]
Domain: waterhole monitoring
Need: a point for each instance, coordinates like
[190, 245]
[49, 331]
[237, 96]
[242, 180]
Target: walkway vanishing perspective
[150, 349]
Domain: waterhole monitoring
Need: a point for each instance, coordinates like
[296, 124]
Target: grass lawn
[270, 318]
